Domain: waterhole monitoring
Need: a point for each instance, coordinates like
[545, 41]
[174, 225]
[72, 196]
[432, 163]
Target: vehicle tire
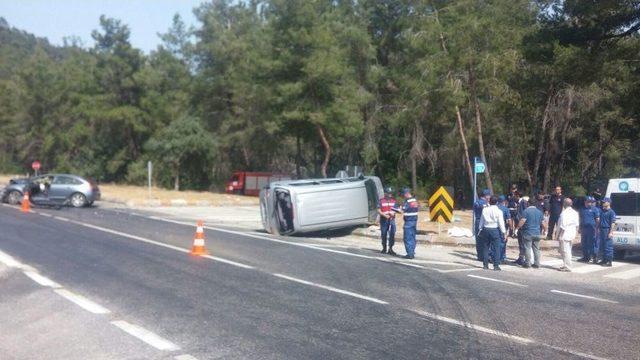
[78, 200]
[14, 197]
[619, 254]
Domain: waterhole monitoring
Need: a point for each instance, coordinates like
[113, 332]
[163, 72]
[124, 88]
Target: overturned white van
[302, 206]
[625, 201]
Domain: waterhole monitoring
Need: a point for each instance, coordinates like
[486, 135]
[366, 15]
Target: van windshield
[626, 204]
[372, 195]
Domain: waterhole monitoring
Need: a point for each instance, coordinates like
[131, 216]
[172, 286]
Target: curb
[464, 241]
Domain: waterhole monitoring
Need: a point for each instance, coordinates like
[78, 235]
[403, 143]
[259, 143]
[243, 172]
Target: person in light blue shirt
[532, 226]
[607, 225]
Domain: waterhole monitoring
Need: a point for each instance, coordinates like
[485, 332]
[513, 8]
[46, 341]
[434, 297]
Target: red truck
[250, 183]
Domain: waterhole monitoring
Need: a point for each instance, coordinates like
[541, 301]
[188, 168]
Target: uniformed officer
[478, 206]
[506, 214]
[607, 225]
[410, 210]
[589, 217]
[387, 208]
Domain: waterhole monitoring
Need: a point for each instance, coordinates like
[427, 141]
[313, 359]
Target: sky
[55, 19]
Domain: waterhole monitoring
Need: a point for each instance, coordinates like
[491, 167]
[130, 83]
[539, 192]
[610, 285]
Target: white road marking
[9, 261]
[590, 268]
[61, 218]
[583, 296]
[244, 266]
[489, 331]
[44, 281]
[82, 301]
[458, 270]
[330, 288]
[161, 244]
[45, 214]
[309, 246]
[146, 336]
[496, 280]
[185, 357]
[6, 205]
[626, 275]
[473, 327]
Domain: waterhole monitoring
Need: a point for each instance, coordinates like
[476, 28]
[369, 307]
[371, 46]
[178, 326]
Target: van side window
[626, 204]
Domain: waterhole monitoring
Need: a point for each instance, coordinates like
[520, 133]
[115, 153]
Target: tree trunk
[176, 182]
[464, 145]
[327, 150]
[298, 155]
[538, 159]
[476, 105]
[457, 109]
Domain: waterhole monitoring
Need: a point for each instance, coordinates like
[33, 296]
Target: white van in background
[625, 201]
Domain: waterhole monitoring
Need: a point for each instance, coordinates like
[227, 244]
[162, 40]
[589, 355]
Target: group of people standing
[529, 219]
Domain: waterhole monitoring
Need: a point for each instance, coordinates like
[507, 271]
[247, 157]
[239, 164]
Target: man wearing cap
[410, 210]
[387, 208]
[478, 206]
[607, 224]
[589, 218]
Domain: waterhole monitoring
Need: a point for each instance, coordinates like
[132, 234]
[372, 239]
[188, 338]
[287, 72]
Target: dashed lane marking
[496, 280]
[625, 275]
[82, 301]
[44, 281]
[61, 218]
[330, 288]
[145, 335]
[583, 296]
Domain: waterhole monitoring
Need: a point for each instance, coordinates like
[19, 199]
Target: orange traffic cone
[198, 247]
[26, 205]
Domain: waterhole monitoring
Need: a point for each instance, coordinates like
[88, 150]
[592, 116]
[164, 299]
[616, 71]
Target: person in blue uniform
[478, 206]
[589, 217]
[596, 241]
[506, 214]
[410, 210]
[387, 209]
[607, 225]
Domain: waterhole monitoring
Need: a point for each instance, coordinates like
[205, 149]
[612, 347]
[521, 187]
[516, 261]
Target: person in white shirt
[566, 231]
[491, 230]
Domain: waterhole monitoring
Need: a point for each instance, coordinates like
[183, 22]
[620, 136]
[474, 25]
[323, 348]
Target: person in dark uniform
[555, 208]
[506, 214]
[387, 208]
[513, 199]
[478, 206]
[607, 225]
[522, 206]
[409, 211]
[589, 218]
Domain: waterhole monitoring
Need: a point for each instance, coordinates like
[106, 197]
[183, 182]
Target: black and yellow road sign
[441, 206]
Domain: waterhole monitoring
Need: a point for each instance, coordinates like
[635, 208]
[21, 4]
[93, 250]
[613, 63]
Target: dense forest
[546, 92]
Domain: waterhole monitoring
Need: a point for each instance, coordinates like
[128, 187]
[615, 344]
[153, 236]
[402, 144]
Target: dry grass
[137, 195]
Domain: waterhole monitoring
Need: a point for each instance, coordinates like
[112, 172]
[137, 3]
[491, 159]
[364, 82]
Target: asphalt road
[263, 297]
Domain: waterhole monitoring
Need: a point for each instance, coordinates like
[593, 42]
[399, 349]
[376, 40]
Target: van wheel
[619, 254]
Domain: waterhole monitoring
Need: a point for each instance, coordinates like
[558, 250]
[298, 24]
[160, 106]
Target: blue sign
[480, 167]
[623, 186]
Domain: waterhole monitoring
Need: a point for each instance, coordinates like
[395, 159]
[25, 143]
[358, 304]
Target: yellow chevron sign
[441, 206]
